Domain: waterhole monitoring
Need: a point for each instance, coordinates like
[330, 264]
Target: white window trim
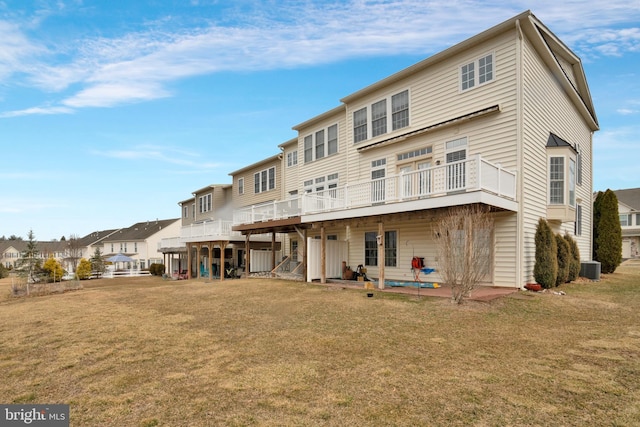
[241, 186]
[292, 158]
[257, 184]
[476, 69]
[205, 203]
[389, 116]
[313, 138]
[568, 180]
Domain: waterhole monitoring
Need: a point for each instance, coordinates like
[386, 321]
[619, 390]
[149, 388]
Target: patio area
[481, 293]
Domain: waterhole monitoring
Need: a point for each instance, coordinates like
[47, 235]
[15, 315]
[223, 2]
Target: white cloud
[37, 111]
[157, 153]
[104, 72]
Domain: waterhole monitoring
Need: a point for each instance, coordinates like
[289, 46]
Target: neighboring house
[11, 252]
[92, 241]
[504, 119]
[141, 241]
[629, 211]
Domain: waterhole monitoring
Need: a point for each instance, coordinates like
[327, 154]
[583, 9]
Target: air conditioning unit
[590, 270]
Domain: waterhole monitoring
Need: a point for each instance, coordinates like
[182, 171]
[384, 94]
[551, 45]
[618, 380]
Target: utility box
[590, 270]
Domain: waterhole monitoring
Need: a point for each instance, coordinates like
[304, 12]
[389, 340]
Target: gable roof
[140, 231]
[95, 237]
[630, 197]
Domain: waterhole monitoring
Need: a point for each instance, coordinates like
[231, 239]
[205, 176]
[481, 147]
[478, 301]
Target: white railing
[208, 230]
[279, 209]
[170, 242]
[473, 174]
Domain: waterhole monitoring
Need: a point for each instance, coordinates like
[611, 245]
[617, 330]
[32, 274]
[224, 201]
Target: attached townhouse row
[140, 242]
[504, 119]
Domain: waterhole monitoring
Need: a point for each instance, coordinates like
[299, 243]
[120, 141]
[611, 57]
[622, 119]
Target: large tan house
[504, 120]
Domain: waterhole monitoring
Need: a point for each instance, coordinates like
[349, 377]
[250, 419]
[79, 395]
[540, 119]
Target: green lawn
[145, 352]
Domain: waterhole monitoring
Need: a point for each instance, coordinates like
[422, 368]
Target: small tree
[3, 272]
[29, 263]
[84, 269]
[545, 270]
[564, 256]
[574, 258]
[608, 242]
[53, 269]
[463, 237]
[97, 263]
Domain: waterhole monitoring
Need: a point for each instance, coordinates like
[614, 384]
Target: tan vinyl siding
[250, 197]
[415, 238]
[435, 98]
[547, 108]
[505, 254]
[330, 164]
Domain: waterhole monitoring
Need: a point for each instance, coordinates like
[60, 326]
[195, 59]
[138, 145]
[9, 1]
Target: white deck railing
[473, 174]
[208, 231]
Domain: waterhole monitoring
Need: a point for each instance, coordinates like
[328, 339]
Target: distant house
[92, 241]
[11, 252]
[629, 211]
[141, 241]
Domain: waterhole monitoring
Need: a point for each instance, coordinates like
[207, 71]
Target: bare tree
[74, 251]
[464, 240]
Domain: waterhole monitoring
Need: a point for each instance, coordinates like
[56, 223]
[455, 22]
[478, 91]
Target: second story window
[185, 211]
[204, 203]
[625, 220]
[264, 180]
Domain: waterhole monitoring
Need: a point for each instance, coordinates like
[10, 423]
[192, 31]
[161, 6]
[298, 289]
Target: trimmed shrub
[564, 256]
[574, 258]
[156, 269]
[84, 269]
[545, 270]
[609, 233]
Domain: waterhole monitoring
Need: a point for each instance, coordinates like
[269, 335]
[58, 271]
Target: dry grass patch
[143, 352]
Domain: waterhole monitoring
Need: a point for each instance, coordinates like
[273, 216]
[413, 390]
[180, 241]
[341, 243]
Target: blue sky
[111, 112]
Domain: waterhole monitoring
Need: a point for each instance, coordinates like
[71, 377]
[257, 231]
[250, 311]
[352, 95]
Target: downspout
[519, 159]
